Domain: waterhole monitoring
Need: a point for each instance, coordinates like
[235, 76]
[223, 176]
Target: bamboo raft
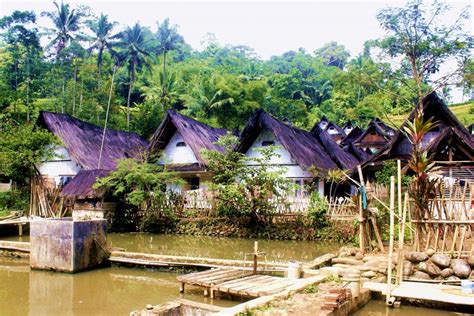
[236, 282]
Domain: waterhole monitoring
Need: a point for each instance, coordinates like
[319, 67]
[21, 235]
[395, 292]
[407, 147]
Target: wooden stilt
[181, 287]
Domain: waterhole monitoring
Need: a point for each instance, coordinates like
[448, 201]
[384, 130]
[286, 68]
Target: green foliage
[242, 190]
[143, 187]
[13, 200]
[317, 210]
[310, 289]
[390, 169]
[416, 34]
[22, 147]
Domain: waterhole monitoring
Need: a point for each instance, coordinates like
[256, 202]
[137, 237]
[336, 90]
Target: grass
[464, 112]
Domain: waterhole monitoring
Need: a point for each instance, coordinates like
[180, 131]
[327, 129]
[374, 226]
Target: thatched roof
[80, 187]
[359, 154]
[196, 135]
[449, 132]
[82, 141]
[353, 135]
[376, 127]
[304, 148]
[343, 159]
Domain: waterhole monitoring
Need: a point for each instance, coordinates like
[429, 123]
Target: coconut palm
[168, 39]
[66, 25]
[132, 45]
[102, 39]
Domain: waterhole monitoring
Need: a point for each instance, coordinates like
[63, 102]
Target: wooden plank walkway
[149, 259]
[440, 293]
[236, 282]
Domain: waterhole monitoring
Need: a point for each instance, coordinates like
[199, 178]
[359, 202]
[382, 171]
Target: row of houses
[180, 140]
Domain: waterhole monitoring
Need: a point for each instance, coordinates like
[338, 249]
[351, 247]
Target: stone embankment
[428, 265]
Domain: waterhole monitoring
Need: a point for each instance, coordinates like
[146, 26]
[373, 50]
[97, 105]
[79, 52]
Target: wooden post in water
[255, 256]
[401, 241]
[390, 249]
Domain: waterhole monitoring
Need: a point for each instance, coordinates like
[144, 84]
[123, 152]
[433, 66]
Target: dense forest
[85, 63]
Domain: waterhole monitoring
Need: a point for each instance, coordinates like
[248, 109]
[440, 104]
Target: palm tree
[168, 39]
[66, 23]
[102, 39]
[133, 51]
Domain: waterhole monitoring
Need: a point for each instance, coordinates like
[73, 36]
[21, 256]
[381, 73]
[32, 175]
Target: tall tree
[416, 34]
[133, 52]
[24, 45]
[168, 39]
[66, 24]
[102, 40]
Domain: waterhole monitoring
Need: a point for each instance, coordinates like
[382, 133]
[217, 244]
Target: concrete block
[67, 246]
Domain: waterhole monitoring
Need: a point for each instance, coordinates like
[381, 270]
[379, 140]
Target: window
[267, 143]
[192, 183]
[180, 144]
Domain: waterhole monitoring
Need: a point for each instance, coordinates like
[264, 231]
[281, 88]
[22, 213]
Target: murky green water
[215, 247]
[108, 291]
[224, 248]
[118, 291]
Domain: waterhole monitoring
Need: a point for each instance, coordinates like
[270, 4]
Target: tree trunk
[130, 86]
[74, 91]
[80, 95]
[27, 88]
[163, 88]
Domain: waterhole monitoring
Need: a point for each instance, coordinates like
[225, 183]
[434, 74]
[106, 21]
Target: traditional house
[450, 144]
[179, 140]
[351, 136]
[78, 161]
[336, 132]
[376, 136]
[348, 127]
[297, 150]
[81, 145]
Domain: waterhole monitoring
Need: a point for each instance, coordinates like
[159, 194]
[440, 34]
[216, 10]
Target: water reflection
[216, 247]
[108, 291]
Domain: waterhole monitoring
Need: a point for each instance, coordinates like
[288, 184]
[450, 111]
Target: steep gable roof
[83, 140]
[379, 128]
[343, 159]
[358, 153]
[353, 135]
[196, 135]
[448, 126]
[81, 185]
[304, 149]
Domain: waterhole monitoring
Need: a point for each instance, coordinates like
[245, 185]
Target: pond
[215, 247]
[108, 291]
[118, 290]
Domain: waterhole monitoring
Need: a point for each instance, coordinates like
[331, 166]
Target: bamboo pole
[361, 214]
[390, 249]
[399, 195]
[401, 240]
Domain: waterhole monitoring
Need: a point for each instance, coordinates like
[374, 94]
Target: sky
[269, 27]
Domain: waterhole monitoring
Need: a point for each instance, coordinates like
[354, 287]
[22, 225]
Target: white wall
[282, 157]
[59, 166]
[177, 155]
